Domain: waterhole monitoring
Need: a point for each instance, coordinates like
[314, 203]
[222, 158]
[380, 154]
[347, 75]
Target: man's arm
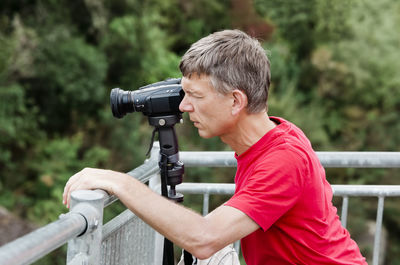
[201, 236]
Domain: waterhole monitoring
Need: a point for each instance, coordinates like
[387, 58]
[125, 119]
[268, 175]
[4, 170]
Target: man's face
[210, 111]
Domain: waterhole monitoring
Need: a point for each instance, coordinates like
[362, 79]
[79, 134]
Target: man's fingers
[74, 186]
[66, 190]
[68, 187]
[90, 178]
[66, 196]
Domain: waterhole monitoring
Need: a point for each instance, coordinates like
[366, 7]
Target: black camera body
[157, 99]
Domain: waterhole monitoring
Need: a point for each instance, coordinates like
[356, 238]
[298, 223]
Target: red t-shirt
[281, 185]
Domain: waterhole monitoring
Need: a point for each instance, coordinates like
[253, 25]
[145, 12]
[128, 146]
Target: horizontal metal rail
[338, 190]
[42, 241]
[366, 190]
[328, 159]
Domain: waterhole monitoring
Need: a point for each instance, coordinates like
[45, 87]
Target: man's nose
[185, 105]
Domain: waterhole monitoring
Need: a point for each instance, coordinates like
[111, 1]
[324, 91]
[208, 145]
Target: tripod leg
[168, 256]
[188, 258]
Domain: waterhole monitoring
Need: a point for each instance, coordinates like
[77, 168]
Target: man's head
[232, 60]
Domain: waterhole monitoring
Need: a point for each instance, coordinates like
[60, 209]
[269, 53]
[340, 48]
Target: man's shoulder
[286, 143]
[283, 155]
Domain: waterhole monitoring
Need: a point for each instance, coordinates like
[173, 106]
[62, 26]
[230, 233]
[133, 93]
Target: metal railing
[127, 240]
[88, 240]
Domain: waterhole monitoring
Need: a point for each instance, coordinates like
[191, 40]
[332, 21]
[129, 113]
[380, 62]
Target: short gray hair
[233, 60]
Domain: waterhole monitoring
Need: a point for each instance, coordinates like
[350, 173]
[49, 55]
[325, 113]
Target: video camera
[157, 99]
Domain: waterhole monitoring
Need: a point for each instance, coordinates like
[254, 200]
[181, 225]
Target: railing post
[85, 249]
[377, 239]
[206, 203]
[155, 185]
[345, 206]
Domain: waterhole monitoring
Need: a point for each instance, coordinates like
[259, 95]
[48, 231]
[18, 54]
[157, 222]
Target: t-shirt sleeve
[272, 189]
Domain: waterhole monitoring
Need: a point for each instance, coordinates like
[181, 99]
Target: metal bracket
[86, 248]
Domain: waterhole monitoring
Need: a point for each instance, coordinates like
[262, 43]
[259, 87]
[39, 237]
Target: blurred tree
[68, 88]
[245, 17]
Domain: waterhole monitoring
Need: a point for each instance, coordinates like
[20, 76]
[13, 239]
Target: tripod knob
[175, 174]
[175, 196]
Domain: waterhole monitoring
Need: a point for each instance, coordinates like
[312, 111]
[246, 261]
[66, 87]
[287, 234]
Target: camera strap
[188, 258]
[151, 141]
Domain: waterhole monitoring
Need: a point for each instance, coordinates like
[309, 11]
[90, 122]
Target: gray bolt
[62, 216]
[95, 224]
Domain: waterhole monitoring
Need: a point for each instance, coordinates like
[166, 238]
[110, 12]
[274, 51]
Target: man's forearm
[182, 226]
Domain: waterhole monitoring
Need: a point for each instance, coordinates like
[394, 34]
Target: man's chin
[204, 135]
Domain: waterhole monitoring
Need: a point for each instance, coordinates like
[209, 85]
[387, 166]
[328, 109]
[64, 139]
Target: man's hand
[93, 178]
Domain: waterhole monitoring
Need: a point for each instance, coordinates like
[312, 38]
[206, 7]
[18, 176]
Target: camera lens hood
[116, 103]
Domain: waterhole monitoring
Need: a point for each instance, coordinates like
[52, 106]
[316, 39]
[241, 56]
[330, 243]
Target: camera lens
[121, 102]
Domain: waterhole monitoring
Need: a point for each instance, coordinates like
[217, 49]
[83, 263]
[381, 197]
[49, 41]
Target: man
[281, 209]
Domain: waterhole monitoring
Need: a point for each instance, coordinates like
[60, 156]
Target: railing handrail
[42, 241]
[338, 190]
[328, 159]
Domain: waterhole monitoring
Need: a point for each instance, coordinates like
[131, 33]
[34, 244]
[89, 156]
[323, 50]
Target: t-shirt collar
[262, 142]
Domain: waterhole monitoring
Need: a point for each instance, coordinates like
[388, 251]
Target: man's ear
[239, 101]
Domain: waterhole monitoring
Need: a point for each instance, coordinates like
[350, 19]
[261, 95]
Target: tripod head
[172, 168]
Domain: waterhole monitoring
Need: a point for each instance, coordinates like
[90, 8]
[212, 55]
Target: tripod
[171, 167]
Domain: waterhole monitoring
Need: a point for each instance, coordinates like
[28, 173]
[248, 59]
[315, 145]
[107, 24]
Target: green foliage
[53, 162]
[140, 55]
[19, 130]
[5, 52]
[56, 160]
[359, 74]
[288, 101]
[69, 86]
[294, 22]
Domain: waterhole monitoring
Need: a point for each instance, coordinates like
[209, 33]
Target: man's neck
[249, 129]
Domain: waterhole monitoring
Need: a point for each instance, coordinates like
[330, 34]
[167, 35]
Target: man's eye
[193, 94]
